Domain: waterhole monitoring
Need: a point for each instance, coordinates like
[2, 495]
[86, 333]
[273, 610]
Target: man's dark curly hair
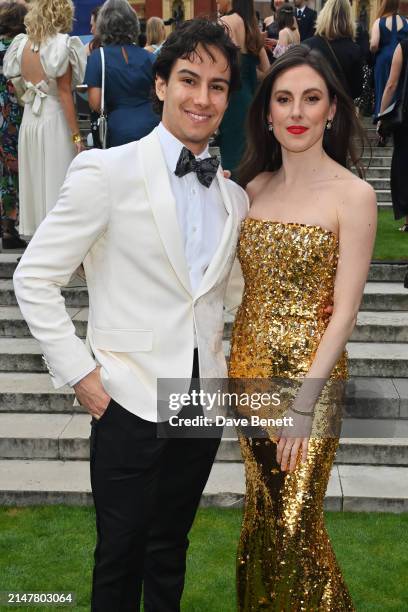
[183, 43]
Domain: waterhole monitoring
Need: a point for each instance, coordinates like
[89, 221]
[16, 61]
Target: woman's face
[300, 108]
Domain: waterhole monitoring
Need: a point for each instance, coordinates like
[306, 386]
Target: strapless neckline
[293, 224]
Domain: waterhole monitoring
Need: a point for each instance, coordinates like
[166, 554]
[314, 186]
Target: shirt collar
[171, 147]
[302, 9]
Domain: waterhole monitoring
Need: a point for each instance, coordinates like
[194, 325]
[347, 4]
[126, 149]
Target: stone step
[377, 295]
[385, 272]
[378, 184]
[34, 393]
[365, 358]
[66, 437]
[21, 355]
[383, 196]
[385, 296]
[377, 172]
[76, 294]
[381, 151]
[8, 263]
[378, 359]
[372, 359]
[376, 161]
[381, 327]
[371, 326]
[351, 488]
[378, 271]
[13, 325]
[351, 451]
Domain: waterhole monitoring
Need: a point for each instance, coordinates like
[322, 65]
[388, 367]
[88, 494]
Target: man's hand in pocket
[91, 394]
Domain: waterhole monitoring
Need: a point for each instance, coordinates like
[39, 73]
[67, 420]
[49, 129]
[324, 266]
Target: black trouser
[146, 492]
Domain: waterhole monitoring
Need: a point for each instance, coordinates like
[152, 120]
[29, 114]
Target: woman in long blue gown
[389, 39]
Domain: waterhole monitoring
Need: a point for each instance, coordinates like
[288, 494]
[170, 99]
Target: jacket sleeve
[59, 246]
[235, 289]
[235, 286]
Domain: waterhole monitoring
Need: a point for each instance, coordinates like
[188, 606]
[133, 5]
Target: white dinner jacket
[116, 213]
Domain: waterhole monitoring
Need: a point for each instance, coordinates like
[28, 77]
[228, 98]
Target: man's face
[195, 97]
[299, 3]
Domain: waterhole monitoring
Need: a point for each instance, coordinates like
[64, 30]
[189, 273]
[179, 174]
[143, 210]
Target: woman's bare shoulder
[236, 25]
[254, 187]
[355, 194]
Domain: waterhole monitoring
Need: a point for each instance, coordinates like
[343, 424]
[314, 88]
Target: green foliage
[51, 549]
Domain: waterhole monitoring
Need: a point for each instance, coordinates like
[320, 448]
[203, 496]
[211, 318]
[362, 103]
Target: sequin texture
[285, 559]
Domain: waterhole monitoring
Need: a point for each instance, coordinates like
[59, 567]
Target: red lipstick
[297, 129]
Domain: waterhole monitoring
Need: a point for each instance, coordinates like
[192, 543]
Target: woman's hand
[288, 452]
[294, 440]
[270, 43]
[79, 147]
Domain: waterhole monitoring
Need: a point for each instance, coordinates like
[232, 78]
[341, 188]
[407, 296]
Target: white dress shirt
[200, 210]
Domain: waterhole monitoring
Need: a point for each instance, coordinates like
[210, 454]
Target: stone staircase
[377, 162]
[44, 444]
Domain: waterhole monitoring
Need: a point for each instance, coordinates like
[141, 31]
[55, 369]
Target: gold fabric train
[285, 559]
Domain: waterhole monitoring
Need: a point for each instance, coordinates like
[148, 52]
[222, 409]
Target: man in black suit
[306, 19]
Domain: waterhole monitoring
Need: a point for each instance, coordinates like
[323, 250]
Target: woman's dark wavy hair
[253, 37]
[12, 18]
[285, 17]
[183, 43]
[96, 41]
[344, 142]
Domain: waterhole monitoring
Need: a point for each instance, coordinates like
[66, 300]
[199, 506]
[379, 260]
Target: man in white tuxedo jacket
[155, 224]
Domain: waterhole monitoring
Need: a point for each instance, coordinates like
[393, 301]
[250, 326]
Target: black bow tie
[206, 169]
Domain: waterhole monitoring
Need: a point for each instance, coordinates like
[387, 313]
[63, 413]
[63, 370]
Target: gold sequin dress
[285, 559]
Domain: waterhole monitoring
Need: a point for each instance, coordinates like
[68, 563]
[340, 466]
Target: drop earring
[270, 127]
[329, 124]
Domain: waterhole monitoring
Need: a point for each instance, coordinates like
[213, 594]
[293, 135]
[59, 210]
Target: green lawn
[50, 549]
[390, 244]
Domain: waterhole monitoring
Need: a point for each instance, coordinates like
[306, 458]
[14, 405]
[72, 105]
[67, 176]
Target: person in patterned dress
[11, 23]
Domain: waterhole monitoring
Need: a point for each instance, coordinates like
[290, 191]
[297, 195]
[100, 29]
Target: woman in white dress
[51, 64]
[288, 30]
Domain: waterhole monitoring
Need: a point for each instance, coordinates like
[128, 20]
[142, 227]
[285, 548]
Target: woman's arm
[67, 103]
[357, 229]
[264, 64]
[375, 36]
[393, 79]
[95, 98]
[357, 217]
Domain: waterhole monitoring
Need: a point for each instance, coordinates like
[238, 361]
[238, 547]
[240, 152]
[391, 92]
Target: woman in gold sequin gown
[306, 244]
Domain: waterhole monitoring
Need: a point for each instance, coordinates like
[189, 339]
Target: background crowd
[41, 66]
